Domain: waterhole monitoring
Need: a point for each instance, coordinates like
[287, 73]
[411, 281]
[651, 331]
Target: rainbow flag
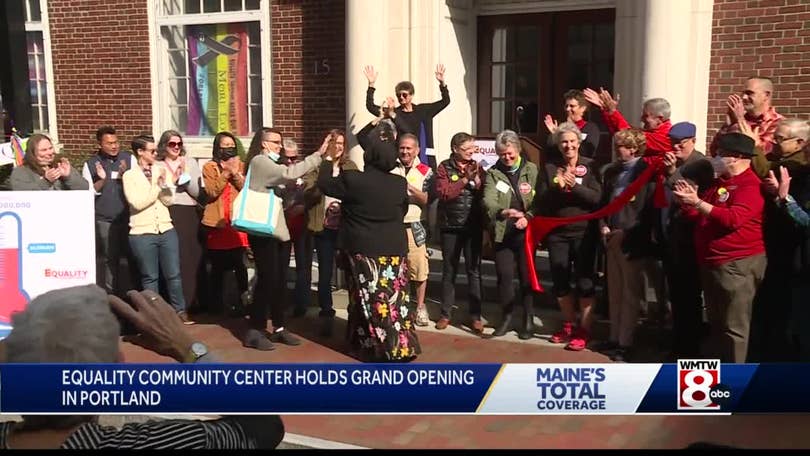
[17, 147]
[218, 76]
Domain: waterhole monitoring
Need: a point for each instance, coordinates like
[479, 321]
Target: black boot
[504, 327]
[527, 331]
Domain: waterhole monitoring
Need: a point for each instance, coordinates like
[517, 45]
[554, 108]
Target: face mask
[719, 165]
[274, 156]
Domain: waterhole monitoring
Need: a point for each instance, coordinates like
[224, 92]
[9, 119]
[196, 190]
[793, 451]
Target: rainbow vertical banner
[218, 76]
[17, 147]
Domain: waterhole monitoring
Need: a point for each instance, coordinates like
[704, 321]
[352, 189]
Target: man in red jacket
[654, 119]
[729, 244]
[654, 123]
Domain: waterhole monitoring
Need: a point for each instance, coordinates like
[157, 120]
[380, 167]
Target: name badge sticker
[502, 187]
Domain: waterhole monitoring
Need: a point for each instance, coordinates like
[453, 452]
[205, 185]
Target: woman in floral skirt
[373, 204]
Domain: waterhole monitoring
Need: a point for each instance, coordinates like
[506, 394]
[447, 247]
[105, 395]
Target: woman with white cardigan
[152, 236]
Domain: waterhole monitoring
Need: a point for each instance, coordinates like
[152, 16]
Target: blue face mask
[274, 156]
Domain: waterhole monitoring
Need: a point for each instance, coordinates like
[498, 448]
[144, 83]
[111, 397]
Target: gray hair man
[786, 166]
[420, 192]
[654, 119]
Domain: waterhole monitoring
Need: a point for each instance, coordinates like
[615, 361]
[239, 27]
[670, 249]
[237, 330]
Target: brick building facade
[107, 60]
[97, 84]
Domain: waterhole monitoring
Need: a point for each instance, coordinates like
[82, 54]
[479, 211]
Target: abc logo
[720, 394]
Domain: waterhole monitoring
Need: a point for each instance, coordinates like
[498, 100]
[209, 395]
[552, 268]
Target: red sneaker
[579, 340]
[563, 335]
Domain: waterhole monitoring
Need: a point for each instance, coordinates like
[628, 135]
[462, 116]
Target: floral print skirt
[380, 327]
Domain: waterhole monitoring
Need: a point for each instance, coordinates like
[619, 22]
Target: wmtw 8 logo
[699, 386]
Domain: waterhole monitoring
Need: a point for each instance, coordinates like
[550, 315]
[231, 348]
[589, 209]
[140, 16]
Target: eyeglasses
[403, 95]
[278, 141]
[175, 143]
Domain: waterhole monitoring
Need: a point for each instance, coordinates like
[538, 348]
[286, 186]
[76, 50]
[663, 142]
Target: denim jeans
[158, 253]
[325, 243]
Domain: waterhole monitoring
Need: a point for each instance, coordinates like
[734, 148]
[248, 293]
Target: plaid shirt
[766, 123]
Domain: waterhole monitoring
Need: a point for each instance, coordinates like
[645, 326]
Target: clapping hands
[736, 109]
[685, 192]
[778, 187]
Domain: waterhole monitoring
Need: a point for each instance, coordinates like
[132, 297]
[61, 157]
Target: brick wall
[100, 52]
[763, 37]
[308, 37]
[96, 42]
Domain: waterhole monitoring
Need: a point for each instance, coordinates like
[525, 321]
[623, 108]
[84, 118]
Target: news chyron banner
[47, 242]
[690, 386]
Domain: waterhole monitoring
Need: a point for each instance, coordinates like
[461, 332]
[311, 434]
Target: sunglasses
[403, 95]
[175, 143]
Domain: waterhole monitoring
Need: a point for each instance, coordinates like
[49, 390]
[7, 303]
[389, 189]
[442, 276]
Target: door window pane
[192, 6]
[35, 15]
[233, 5]
[524, 43]
[211, 6]
[499, 44]
[503, 116]
[499, 89]
[525, 81]
[36, 80]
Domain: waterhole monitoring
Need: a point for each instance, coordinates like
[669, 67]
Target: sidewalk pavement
[455, 345]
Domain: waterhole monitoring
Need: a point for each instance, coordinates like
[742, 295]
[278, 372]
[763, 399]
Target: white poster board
[47, 242]
[486, 155]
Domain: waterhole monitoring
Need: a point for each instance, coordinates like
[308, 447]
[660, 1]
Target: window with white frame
[212, 66]
[35, 28]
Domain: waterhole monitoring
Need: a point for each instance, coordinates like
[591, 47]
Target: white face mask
[720, 166]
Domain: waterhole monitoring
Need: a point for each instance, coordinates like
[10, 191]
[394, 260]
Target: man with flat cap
[680, 262]
[729, 245]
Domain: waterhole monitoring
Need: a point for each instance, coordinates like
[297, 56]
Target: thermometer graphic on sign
[14, 298]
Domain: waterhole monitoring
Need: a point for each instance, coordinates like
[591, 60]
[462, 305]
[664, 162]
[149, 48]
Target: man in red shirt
[754, 106]
[729, 244]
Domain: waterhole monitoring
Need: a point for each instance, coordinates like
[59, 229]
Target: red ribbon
[540, 227]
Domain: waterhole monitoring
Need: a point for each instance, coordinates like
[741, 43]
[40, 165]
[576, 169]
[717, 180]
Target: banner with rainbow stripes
[12, 152]
[218, 79]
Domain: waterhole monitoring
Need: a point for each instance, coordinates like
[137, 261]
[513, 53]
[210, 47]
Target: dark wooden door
[527, 62]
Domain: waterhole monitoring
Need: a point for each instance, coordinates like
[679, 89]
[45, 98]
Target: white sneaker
[422, 318]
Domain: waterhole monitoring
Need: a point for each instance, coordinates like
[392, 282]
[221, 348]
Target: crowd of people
[728, 230]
